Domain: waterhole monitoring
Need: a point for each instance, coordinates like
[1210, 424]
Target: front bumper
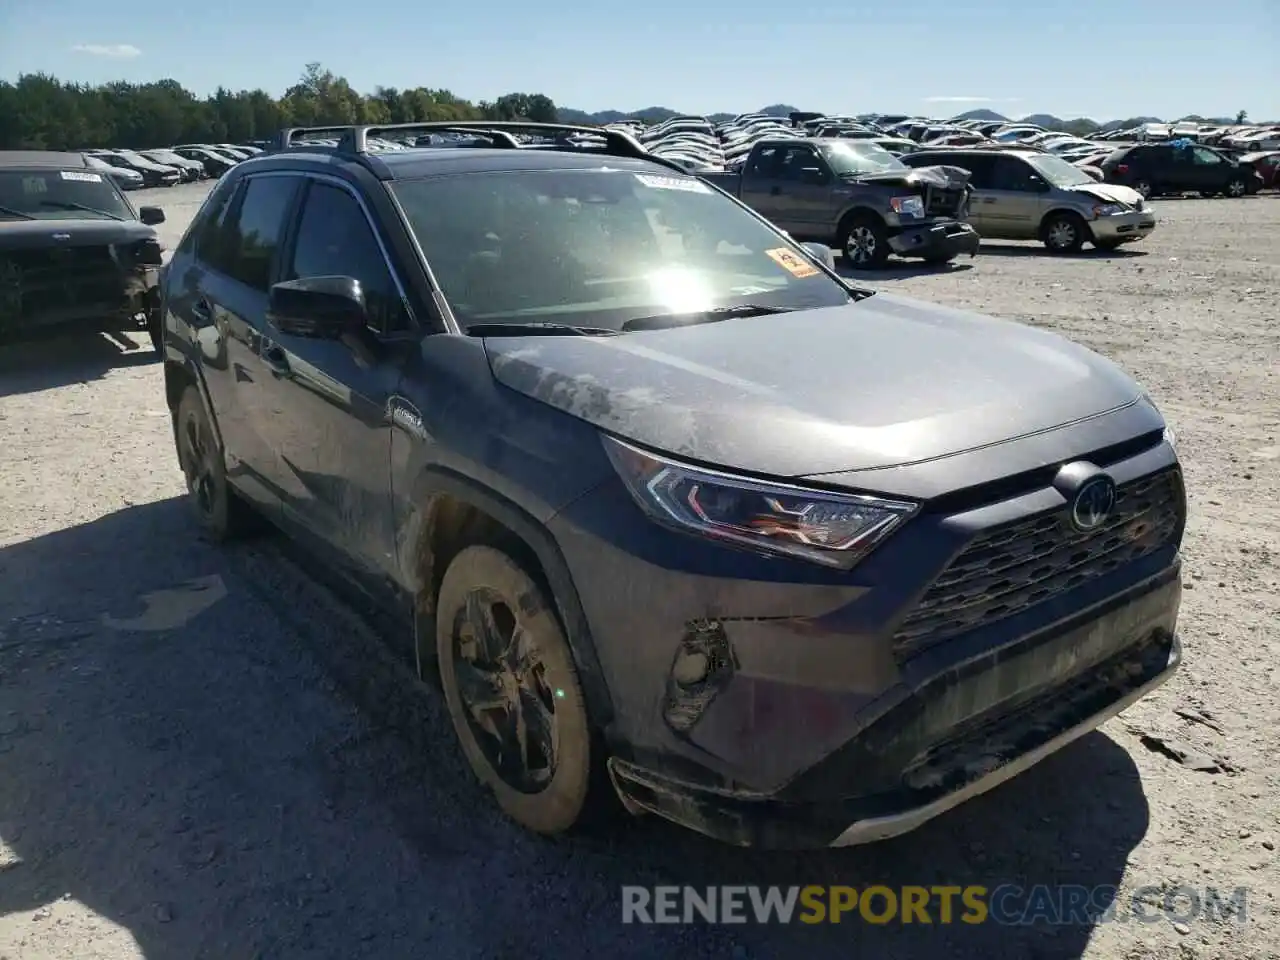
[945, 239]
[770, 702]
[1117, 656]
[1123, 227]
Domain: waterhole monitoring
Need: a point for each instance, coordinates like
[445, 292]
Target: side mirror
[813, 176]
[324, 308]
[823, 253]
[1036, 182]
[151, 216]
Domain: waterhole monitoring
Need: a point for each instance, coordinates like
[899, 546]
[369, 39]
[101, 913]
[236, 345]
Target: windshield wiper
[536, 328]
[10, 212]
[685, 318]
[70, 205]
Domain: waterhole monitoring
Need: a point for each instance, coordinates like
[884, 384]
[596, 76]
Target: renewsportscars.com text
[1006, 904]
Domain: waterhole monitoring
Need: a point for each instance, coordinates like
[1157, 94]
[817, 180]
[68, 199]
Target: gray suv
[1031, 195]
[661, 497]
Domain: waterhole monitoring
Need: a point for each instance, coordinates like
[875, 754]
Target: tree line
[40, 112]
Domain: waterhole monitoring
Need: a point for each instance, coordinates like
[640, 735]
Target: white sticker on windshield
[687, 184]
[81, 176]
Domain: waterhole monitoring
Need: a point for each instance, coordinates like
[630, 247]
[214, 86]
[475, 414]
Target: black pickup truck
[856, 197]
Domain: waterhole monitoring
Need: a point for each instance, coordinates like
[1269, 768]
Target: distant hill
[989, 116]
[658, 114]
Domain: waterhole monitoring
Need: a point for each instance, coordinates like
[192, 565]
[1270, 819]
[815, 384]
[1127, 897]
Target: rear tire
[221, 514]
[513, 691]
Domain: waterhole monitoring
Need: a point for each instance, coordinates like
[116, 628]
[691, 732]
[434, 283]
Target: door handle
[276, 360]
[202, 310]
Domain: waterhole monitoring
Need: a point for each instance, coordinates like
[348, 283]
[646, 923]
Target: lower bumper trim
[883, 828]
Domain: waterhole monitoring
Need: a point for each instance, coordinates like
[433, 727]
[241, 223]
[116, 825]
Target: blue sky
[1099, 58]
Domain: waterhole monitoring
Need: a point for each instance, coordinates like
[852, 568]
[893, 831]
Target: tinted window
[1010, 173]
[335, 240]
[1205, 158]
[798, 159]
[249, 236]
[979, 166]
[202, 237]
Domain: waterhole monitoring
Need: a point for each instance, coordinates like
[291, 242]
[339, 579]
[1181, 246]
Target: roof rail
[616, 142]
[354, 139]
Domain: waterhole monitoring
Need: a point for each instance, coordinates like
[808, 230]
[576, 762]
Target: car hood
[938, 176]
[29, 234]
[1111, 193]
[884, 382]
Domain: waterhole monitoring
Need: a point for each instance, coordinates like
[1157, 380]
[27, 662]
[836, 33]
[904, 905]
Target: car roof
[42, 159]
[989, 151]
[419, 162]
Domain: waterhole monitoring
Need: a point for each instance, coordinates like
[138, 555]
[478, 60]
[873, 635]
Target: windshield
[601, 247]
[60, 195]
[860, 156]
[1059, 172]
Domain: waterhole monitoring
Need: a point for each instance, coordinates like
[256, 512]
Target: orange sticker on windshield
[792, 262]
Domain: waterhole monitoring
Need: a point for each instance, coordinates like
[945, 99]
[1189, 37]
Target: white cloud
[118, 51]
[972, 99]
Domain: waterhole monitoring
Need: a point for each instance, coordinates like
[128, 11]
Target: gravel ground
[205, 753]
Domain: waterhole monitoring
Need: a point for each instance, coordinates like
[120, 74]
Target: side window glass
[335, 240]
[798, 159]
[1010, 174]
[764, 162]
[250, 237]
[979, 167]
[202, 237]
[1206, 158]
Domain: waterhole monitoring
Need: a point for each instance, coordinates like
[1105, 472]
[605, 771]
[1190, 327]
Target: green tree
[40, 112]
[1242, 116]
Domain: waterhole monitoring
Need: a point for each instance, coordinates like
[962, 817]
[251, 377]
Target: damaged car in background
[662, 496]
[1030, 195]
[856, 196]
[74, 254]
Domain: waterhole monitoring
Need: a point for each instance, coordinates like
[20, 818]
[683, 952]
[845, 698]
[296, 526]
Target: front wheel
[865, 243]
[1236, 187]
[512, 690]
[1064, 233]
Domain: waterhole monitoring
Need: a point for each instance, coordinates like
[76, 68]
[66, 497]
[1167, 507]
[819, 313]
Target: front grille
[1009, 569]
[943, 202]
[55, 280]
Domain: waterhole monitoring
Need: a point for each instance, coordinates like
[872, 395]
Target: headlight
[836, 530]
[1107, 210]
[1170, 437]
[907, 206]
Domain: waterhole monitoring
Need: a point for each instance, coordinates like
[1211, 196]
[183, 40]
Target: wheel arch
[451, 512]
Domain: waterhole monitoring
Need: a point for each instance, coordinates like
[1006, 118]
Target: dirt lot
[204, 753]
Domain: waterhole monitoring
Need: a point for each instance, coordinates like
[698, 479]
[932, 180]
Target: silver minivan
[1031, 195]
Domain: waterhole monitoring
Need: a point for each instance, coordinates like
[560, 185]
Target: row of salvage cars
[168, 166]
[872, 187]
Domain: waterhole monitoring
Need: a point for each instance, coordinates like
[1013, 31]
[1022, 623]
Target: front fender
[435, 482]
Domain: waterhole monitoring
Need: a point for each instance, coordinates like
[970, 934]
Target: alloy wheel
[861, 245]
[1236, 188]
[1143, 188]
[502, 684]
